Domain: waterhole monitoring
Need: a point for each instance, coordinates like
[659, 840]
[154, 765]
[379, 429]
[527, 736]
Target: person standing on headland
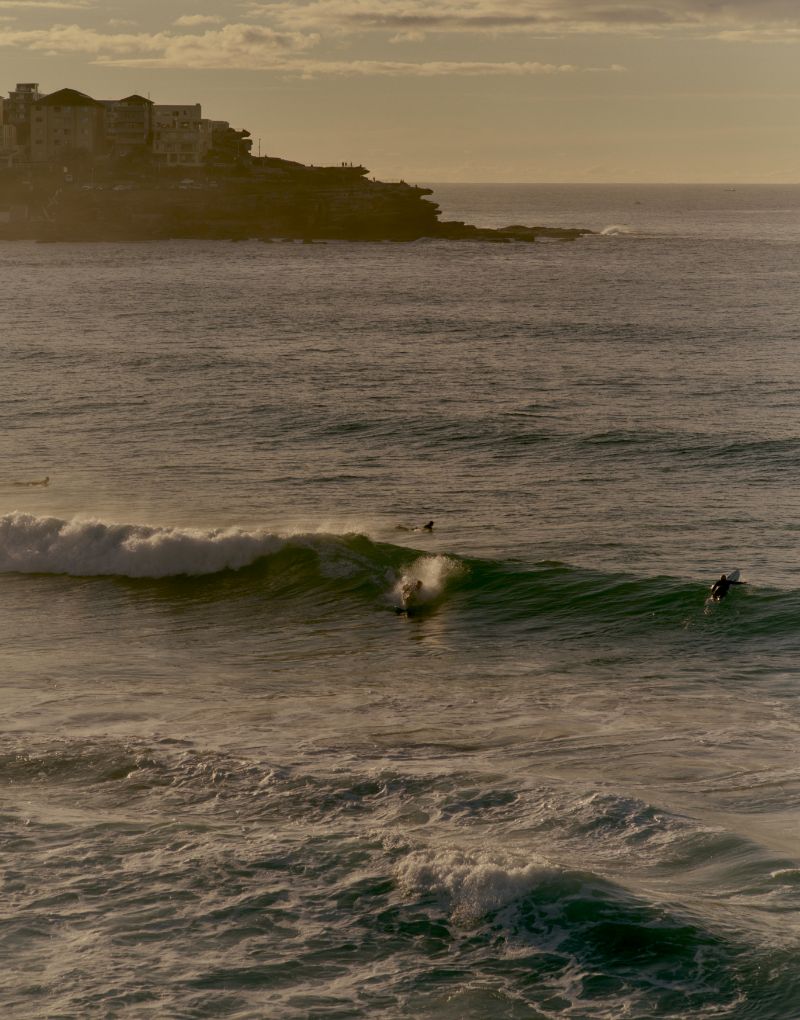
[720, 588]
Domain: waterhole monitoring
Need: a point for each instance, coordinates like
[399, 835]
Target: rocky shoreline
[271, 199]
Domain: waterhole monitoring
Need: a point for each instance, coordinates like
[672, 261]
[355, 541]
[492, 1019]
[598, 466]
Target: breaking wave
[545, 596]
[85, 548]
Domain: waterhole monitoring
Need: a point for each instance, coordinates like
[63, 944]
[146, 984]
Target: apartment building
[54, 128]
[128, 124]
[65, 123]
[19, 108]
[8, 139]
[181, 137]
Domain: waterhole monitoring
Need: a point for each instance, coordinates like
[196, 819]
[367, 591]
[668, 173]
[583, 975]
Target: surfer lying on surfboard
[720, 588]
[425, 527]
[43, 481]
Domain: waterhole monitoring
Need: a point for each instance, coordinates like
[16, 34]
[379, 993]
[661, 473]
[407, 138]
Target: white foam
[615, 230]
[433, 571]
[470, 885]
[31, 544]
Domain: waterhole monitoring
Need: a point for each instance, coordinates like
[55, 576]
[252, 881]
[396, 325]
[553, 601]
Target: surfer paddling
[424, 527]
[720, 588]
[42, 481]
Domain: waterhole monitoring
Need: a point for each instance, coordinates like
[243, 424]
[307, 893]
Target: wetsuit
[721, 587]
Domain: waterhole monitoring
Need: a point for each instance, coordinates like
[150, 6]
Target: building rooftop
[67, 97]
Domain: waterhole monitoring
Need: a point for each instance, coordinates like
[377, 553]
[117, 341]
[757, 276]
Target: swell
[354, 567]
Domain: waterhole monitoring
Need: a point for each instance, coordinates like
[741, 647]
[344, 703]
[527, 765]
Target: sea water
[237, 782]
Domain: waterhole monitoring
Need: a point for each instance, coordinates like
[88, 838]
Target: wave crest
[548, 597]
[469, 885]
[85, 548]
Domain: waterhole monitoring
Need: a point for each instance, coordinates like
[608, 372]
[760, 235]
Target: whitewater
[238, 781]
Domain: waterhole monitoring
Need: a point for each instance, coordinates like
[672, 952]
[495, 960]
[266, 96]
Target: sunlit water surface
[238, 782]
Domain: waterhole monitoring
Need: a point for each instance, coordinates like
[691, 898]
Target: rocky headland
[267, 199]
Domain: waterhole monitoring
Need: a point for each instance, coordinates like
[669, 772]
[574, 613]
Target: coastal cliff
[268, 199]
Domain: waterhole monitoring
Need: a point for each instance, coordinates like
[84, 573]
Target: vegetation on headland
[229, 198]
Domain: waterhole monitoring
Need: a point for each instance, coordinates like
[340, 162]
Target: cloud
[539, 17]
[249, 46]
[414, 35]
[231, 46]
[281, 34]
[309, 68]
[50, 5]
[428, 69]
[75, 39]
[192, 20]
[762, 34]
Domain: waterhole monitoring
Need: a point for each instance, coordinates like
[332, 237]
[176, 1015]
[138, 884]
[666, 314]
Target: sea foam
[83, 548]
[470, 885]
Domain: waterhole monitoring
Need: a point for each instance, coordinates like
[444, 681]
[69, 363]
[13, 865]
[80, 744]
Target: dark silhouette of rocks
[265, 198]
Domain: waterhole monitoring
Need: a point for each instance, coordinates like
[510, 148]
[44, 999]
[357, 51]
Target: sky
[452, 90]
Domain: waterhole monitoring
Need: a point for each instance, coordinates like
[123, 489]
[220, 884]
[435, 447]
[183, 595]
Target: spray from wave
[93, 548]
[615, 230]
[84, 548]
[424, 581]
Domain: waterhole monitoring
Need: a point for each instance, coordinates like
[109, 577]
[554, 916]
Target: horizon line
[624, 184]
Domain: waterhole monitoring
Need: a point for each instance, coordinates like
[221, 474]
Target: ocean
[237, 780]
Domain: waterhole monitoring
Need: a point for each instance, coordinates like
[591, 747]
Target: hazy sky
[476, 90]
